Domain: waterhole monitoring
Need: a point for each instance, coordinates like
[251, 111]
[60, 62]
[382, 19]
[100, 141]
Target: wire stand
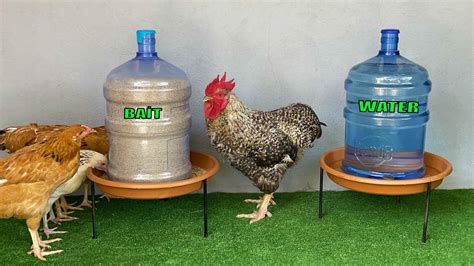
[427, 204]
[204, 206]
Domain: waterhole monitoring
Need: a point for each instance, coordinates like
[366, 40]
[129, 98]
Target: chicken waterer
[437, 168]
[157, 190]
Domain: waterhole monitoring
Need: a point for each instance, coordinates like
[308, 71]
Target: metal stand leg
[321, 176]
[94, 230]
[204, 190]
[427, 212]
[398, 199]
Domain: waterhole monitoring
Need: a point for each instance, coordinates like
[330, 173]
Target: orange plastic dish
[437, 168]
[134, 190]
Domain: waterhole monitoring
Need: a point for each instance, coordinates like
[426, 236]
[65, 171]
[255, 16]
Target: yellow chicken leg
[61, 216]
[262, 211]
[85, 201]
[66, 207]
[37, 249]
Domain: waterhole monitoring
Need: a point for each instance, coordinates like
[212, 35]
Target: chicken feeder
[161, 190]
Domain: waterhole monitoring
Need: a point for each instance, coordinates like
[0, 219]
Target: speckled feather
[263, 145]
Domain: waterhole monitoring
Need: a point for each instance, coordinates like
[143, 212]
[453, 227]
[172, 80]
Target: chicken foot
[50, 231]
[59, 209]
[262, 211]
[85, 201]
[106, 196]
[62, 216]
[66, 207]
[38, 247]
[44, 243]
[259, 201]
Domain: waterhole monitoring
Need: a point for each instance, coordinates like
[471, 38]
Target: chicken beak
[87, 131]
[102, 167]
[206, 98]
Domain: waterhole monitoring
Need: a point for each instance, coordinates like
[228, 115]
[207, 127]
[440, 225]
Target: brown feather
[34, 172]
[15, 138]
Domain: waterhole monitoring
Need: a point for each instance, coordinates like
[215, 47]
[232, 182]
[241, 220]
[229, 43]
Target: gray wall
[55, 56]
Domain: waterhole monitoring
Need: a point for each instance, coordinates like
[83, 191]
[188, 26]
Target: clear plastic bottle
[386, 114]
[148, 117]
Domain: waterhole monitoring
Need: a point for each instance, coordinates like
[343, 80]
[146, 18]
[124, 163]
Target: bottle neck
[389, 44]
[146, 48]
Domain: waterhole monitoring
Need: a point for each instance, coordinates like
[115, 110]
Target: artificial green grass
[356, 229]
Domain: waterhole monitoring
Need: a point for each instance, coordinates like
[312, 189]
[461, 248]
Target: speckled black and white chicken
[261, 145]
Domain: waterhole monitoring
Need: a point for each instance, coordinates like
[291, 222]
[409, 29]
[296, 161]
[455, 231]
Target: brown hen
[16, 138]
[30, 175]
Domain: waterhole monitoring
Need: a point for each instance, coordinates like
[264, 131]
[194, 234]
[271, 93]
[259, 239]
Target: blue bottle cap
[142, 33]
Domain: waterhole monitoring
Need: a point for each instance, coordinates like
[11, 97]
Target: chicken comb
[219, 84]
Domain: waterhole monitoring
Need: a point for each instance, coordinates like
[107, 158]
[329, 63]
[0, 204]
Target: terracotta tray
[133, 190]
[437, 168]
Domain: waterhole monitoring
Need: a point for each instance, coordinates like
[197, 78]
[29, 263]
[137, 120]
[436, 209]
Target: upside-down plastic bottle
[148, 117]
[386, 114]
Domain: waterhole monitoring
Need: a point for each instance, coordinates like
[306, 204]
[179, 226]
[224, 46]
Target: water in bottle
[386, 114]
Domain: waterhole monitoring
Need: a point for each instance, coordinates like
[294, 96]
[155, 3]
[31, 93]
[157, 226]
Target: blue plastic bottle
[386, 114]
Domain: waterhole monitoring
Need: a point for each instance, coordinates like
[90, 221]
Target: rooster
[16, 138]
[261, 145]
[29, 176]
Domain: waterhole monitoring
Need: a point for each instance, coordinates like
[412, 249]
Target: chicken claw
[88, 203]
[107, 196]
[43, 243]
[65, 218]
[47, 231]
[259, 201]
[39, 246]
[76, 208]
[62, 216]
[40, 254]
[52, 231]
[85, 202]
[65, 206]
[255, 216]
[262, 209]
